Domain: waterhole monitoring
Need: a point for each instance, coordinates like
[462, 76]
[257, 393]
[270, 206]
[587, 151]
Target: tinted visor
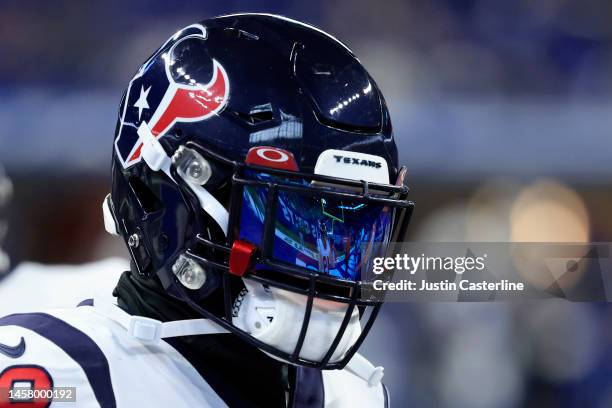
[323, 233]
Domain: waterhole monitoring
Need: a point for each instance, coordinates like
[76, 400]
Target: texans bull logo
[184, 103]
[180, 103]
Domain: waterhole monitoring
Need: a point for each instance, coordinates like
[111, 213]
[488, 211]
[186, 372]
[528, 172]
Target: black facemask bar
[271, 272]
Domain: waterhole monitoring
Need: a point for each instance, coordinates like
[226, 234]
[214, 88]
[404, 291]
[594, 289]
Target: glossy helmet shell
[289, 85]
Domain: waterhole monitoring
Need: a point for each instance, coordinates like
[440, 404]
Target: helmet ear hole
[146, 198]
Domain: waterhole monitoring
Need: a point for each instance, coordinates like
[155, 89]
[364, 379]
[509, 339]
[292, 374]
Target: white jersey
[84, 348]
[32, 286]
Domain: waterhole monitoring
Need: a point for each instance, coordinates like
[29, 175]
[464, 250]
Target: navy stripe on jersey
[82, 349]
[309, 391]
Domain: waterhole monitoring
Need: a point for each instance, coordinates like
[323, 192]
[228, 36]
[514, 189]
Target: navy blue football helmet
[256, 147]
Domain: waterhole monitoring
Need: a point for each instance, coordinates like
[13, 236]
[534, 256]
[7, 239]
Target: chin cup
[275, 316]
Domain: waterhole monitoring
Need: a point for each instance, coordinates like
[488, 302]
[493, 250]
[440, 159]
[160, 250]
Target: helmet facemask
[297, 312]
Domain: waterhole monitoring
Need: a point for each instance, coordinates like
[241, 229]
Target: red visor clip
[240, 257]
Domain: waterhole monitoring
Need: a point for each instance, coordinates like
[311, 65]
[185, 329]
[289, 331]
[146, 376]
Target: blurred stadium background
[502, 111]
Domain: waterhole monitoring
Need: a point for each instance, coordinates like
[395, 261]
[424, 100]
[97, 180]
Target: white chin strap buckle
[144, 329]
[376, 377]
[362, 368]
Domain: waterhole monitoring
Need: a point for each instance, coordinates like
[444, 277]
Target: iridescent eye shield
[305, 223]
[322, 233]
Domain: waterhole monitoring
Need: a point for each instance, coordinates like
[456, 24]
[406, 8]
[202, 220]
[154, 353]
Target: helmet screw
[133, 241]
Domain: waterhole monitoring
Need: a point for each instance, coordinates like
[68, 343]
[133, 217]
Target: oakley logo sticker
[273, 157]
[358, 162]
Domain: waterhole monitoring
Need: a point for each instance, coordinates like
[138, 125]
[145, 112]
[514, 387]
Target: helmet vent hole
[240, 34]
[257, 115]
[261, 113]
[260, 117]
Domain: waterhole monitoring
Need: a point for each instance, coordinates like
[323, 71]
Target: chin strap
[157, 159]
[151, 331]
[362, 368]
